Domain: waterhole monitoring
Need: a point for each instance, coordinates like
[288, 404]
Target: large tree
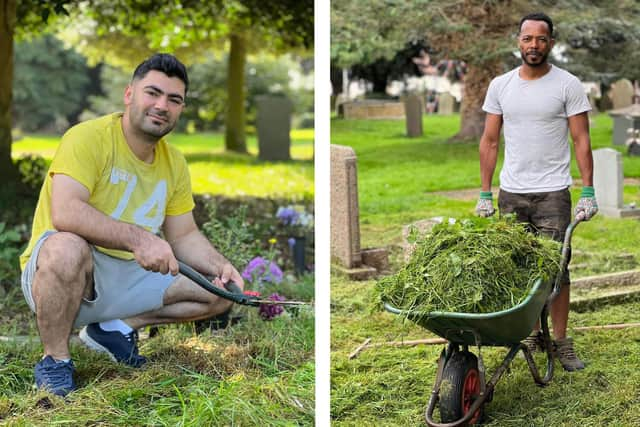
[29, 16]
[7, 25]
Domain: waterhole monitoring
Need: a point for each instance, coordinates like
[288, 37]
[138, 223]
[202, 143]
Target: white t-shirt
[535, 115]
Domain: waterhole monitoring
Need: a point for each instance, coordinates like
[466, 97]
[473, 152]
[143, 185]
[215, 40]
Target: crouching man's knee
[65, 258]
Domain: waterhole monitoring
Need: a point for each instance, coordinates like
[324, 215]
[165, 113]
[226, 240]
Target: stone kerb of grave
[373, 109]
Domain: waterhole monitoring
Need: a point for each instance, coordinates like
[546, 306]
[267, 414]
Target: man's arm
[192, 247]
[579, 128]
[489, 144]
[71, 212]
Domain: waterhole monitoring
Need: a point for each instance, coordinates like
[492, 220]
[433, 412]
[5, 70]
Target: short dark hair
[166, 63]
[538, 16]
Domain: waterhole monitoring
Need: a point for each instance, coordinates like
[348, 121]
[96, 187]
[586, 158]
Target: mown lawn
[402, 180]
[255, 373]
[218, 172]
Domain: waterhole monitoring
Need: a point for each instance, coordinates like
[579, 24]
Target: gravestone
[346, 253]
[621, 94]
[623, 120]
[273, 123]
[413, 112]
[345, 214]
[445, 103]
[608, 182]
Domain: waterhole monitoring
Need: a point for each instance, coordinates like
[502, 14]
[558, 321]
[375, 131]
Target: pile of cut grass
[474, 266]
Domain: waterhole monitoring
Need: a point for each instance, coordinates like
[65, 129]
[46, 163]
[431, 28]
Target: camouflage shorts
[548, 214]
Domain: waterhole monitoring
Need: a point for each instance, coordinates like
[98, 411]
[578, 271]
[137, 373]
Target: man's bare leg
[63, 277]
[184, 301]
[560, 313]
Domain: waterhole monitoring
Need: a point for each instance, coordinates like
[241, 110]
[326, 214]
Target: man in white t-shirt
[539, 105]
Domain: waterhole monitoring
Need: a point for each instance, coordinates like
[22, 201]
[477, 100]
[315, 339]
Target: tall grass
[257, 373]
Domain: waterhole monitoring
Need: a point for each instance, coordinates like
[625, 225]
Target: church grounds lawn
[402, 180]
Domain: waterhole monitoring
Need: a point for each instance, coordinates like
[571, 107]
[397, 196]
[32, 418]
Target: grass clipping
[474, 266]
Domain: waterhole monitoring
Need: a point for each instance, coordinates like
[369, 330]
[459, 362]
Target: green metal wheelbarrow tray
[460, 389]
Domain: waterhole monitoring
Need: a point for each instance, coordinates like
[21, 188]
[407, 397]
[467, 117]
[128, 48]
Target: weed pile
[475, 266]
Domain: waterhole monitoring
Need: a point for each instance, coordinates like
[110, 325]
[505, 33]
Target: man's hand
[155, 254]
[484, 207]
[229, 273]
[587, 204]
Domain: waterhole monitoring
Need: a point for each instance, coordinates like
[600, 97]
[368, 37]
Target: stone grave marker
[608, 182]
[445, 103]
[413, 112]
[273, 123]
[621, 94]
[345, 215]
[623, 120]
[346, 253]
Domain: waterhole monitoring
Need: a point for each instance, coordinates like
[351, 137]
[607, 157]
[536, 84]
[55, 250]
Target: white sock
[116, 325]
[57, 360]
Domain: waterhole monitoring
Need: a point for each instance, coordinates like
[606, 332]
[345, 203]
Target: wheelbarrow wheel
[459, 388]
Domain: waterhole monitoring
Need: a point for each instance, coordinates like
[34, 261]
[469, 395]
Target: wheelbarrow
[460, 388]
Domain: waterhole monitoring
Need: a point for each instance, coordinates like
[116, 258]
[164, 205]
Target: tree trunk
[476, 82]
[8, 172]
[234, 138]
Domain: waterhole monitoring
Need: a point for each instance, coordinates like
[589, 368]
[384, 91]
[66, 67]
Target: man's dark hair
[165, 63]
[538, 16]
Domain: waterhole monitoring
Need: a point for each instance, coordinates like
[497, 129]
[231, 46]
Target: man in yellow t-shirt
[95, 259]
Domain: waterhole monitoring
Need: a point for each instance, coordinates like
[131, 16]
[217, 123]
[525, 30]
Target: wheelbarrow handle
[566, 250]
[233, 292]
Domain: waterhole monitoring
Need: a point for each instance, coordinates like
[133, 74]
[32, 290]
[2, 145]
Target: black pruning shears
[232, 292]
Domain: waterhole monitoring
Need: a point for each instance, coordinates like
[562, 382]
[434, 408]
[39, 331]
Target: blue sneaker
[56, 377]
[121, 348]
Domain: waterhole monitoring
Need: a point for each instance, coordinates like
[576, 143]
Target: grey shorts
[548, 214]
[121, 287]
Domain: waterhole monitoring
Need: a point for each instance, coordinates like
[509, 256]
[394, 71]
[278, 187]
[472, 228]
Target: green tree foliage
[264, 75]
[207, 101]
[600, 38]
[50, 85]
[126, 28]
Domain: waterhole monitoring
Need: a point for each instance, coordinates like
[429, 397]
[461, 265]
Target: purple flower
[288, 215]
[291, 241]
[260, 270]
[269, 311]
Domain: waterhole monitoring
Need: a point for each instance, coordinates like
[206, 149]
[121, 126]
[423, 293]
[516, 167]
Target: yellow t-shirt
[95, 153]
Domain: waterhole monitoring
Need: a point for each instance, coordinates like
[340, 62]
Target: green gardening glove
[587, 206]
[484, 207]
